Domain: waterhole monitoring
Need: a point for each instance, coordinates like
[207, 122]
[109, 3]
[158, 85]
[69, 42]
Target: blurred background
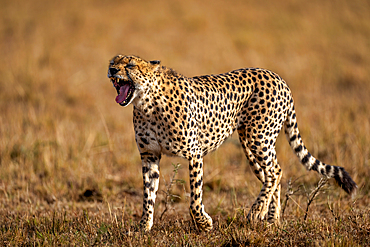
[64, 139]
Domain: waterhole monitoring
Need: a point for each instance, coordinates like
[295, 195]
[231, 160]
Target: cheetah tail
[311, 163]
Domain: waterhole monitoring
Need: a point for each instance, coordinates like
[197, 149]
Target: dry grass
[69, 170]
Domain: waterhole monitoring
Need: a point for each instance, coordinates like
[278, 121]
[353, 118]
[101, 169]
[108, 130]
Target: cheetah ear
[155, 64]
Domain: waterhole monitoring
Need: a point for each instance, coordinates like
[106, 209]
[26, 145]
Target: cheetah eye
[130, 66]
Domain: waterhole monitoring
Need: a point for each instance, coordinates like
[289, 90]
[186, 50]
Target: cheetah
[190, 117]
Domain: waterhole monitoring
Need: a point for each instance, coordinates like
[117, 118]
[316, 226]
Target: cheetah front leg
[197, 212]
[150, 164]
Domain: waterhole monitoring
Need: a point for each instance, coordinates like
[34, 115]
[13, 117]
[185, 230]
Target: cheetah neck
[160, 92]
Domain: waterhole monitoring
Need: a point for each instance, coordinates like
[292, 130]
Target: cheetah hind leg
[273, 207]
[273, 215]
[257, 213]
[268, 201]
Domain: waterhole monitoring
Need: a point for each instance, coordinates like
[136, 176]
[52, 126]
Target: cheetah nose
[113, 71]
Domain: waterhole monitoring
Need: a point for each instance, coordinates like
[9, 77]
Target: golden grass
[61, 133]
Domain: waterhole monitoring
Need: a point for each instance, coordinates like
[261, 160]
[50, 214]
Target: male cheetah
[190, 117]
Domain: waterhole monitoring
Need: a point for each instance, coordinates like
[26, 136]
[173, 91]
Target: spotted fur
[190, 117]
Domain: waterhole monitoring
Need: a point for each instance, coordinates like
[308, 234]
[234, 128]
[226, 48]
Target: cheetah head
[132, 77]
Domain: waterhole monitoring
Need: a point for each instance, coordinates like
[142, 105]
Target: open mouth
[125, 90]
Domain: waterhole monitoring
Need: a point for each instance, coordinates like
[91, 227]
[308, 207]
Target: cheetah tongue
[123, 91]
